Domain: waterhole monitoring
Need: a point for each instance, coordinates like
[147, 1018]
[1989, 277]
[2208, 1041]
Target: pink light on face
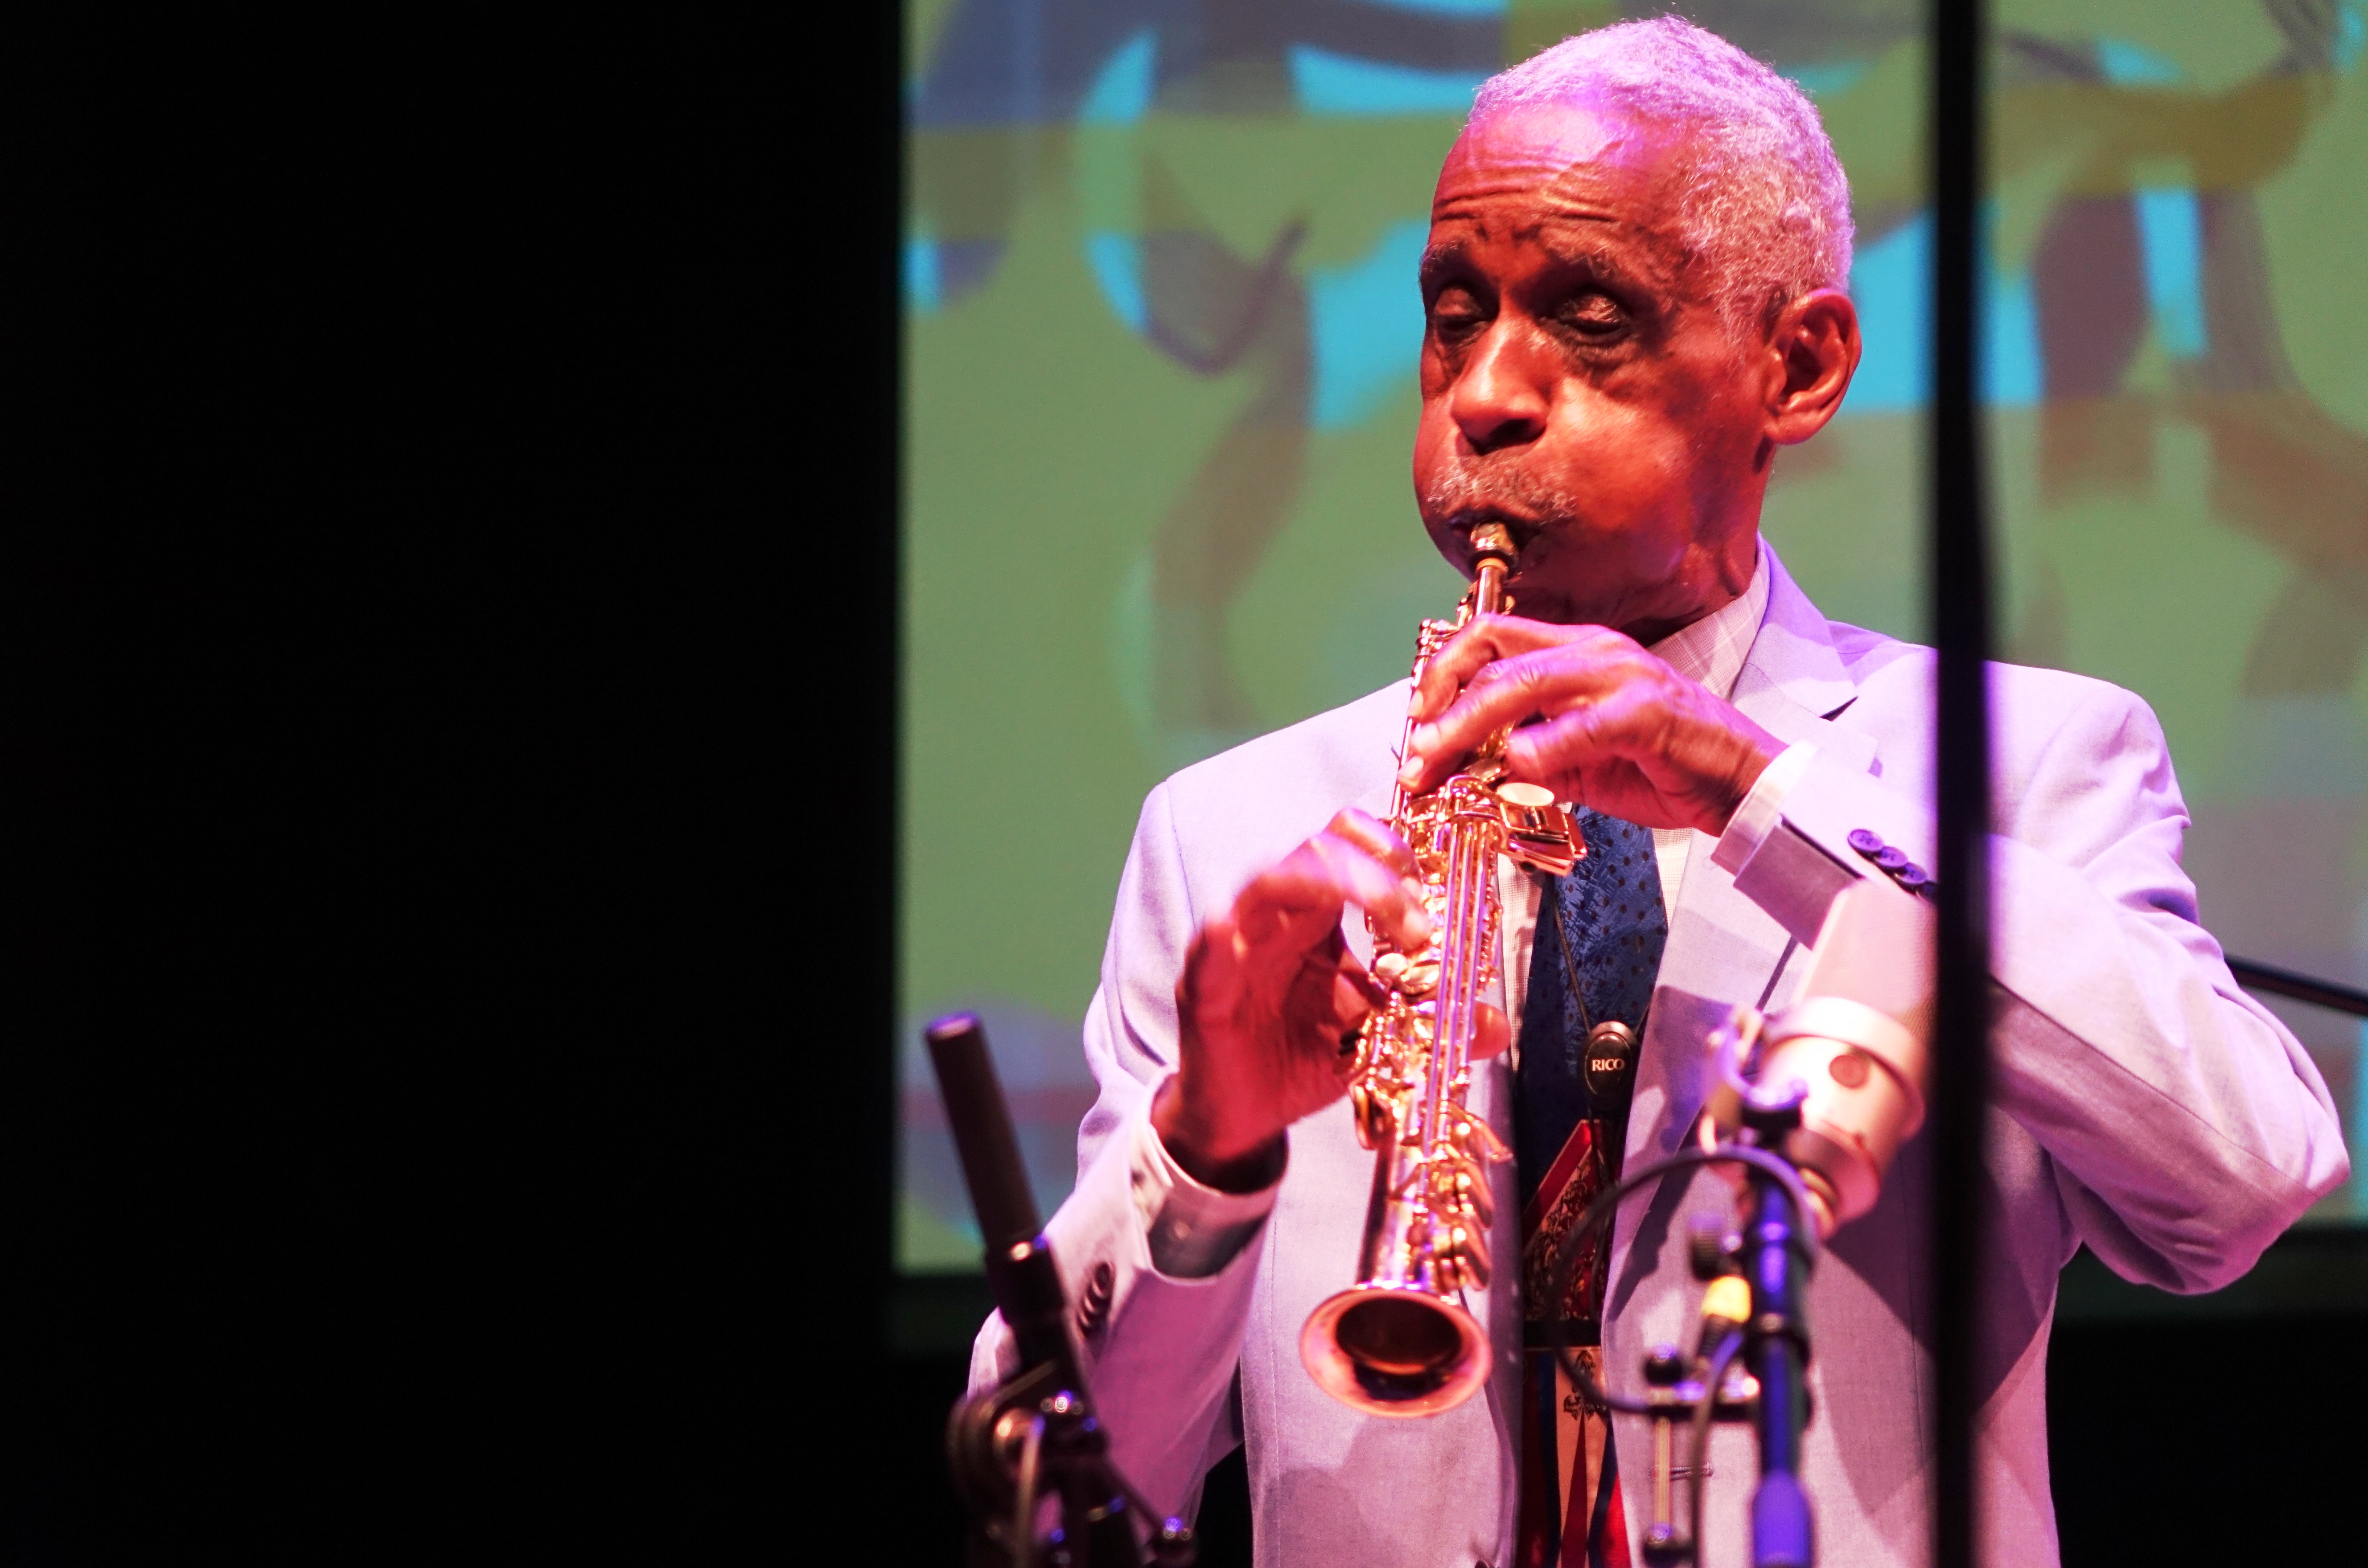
[1521, 149]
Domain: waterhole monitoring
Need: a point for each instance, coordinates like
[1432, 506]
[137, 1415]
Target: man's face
[1578, 383]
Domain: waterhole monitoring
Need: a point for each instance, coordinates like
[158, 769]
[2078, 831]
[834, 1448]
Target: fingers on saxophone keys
[1355, 993]
[1470, 1251]
[1515, 692]
[1488, 637]
[1444, 675]
[1375, 837]
[1393, 898]
[1298, 899]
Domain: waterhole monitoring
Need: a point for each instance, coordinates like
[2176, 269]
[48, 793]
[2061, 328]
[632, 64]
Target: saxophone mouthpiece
[1492, 561]
[1493, 539]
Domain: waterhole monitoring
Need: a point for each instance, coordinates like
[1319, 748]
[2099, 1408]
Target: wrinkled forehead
[1592, 152]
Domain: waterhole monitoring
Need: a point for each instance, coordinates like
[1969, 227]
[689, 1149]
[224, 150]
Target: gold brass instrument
[1400, 1341]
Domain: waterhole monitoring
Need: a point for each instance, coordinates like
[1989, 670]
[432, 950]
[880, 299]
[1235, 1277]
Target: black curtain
[400, 588]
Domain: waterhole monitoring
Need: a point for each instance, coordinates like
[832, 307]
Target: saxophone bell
[1393, 1351]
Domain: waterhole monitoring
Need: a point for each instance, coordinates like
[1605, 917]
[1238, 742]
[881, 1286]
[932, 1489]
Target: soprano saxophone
[1401, 1341]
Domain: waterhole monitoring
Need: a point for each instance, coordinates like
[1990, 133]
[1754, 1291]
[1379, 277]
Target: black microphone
[1096, 1519]
[982, 1135]
[1020, 1270]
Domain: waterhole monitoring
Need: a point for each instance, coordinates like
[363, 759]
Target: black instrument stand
[1768, 1341]
[1035, 1436]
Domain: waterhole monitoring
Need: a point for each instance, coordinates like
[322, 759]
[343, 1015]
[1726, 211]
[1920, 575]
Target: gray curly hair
[1766, 204]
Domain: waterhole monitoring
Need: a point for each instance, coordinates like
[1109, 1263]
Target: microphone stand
[1035, 1435]
[1776, 1348]
[1773, 1255]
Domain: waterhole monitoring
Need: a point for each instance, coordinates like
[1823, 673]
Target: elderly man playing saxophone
[1633, 296]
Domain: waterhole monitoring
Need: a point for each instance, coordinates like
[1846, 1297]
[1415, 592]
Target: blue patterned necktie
[1596, 953]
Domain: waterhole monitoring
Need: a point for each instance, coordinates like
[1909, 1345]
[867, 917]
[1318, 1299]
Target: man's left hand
[1598, 720]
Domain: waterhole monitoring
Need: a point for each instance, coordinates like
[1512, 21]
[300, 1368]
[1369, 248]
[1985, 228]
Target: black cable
[1601, 1210]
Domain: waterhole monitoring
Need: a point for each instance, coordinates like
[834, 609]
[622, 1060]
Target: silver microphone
[1855, 1042]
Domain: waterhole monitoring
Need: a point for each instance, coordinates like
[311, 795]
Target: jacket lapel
[1792, 681]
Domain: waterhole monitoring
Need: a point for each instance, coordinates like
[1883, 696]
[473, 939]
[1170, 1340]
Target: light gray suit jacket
[2143, 1104]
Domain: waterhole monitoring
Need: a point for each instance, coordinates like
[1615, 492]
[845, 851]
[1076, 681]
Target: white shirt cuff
[1762, 809]
[1194, 1230]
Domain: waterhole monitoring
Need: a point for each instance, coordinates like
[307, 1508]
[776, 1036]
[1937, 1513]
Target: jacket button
[1891, 858]
[1093, 1305]
[1912, 877]
[1865, 843]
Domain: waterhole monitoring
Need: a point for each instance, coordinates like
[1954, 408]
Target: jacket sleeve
[2187, 1126]
[1159, 1351]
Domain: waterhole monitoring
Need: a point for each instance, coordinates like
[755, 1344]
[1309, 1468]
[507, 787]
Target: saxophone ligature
[1401, 1341]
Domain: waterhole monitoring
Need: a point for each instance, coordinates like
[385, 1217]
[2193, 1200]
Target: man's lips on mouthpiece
[1525, 530]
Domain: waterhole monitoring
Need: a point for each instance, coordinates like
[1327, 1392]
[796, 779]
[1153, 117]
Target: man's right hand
[1270, 992]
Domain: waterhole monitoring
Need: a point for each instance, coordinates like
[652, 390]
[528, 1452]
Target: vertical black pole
[1961, 626]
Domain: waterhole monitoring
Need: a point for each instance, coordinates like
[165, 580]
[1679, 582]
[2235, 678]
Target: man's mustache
[1476, 487]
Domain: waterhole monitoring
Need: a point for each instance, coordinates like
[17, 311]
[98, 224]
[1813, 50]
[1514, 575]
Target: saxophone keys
[1476, 1259]
[1472, 1192]
[1373, 1114]
[1537, 832]
[1466, 1254]
[1478, 1142]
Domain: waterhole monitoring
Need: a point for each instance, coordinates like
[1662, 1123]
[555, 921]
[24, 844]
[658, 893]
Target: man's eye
[1455, 310]
[1595, 315]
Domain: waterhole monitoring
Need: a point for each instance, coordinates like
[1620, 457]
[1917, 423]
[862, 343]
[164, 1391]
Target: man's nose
[1500, 400]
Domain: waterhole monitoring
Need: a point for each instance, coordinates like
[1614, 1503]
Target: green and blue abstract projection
[1162, 334]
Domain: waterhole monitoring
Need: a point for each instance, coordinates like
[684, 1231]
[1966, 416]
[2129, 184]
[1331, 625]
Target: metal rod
[2255, 976]
[1452, 1011]
[1961, 631]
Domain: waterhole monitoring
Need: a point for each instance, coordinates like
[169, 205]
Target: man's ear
[1813, 353]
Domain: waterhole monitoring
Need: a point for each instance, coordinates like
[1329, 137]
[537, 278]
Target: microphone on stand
[1852, 1046]
[1841, 1080]
[1857, 1038]
[1036, 1433]
[1018, 1262]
